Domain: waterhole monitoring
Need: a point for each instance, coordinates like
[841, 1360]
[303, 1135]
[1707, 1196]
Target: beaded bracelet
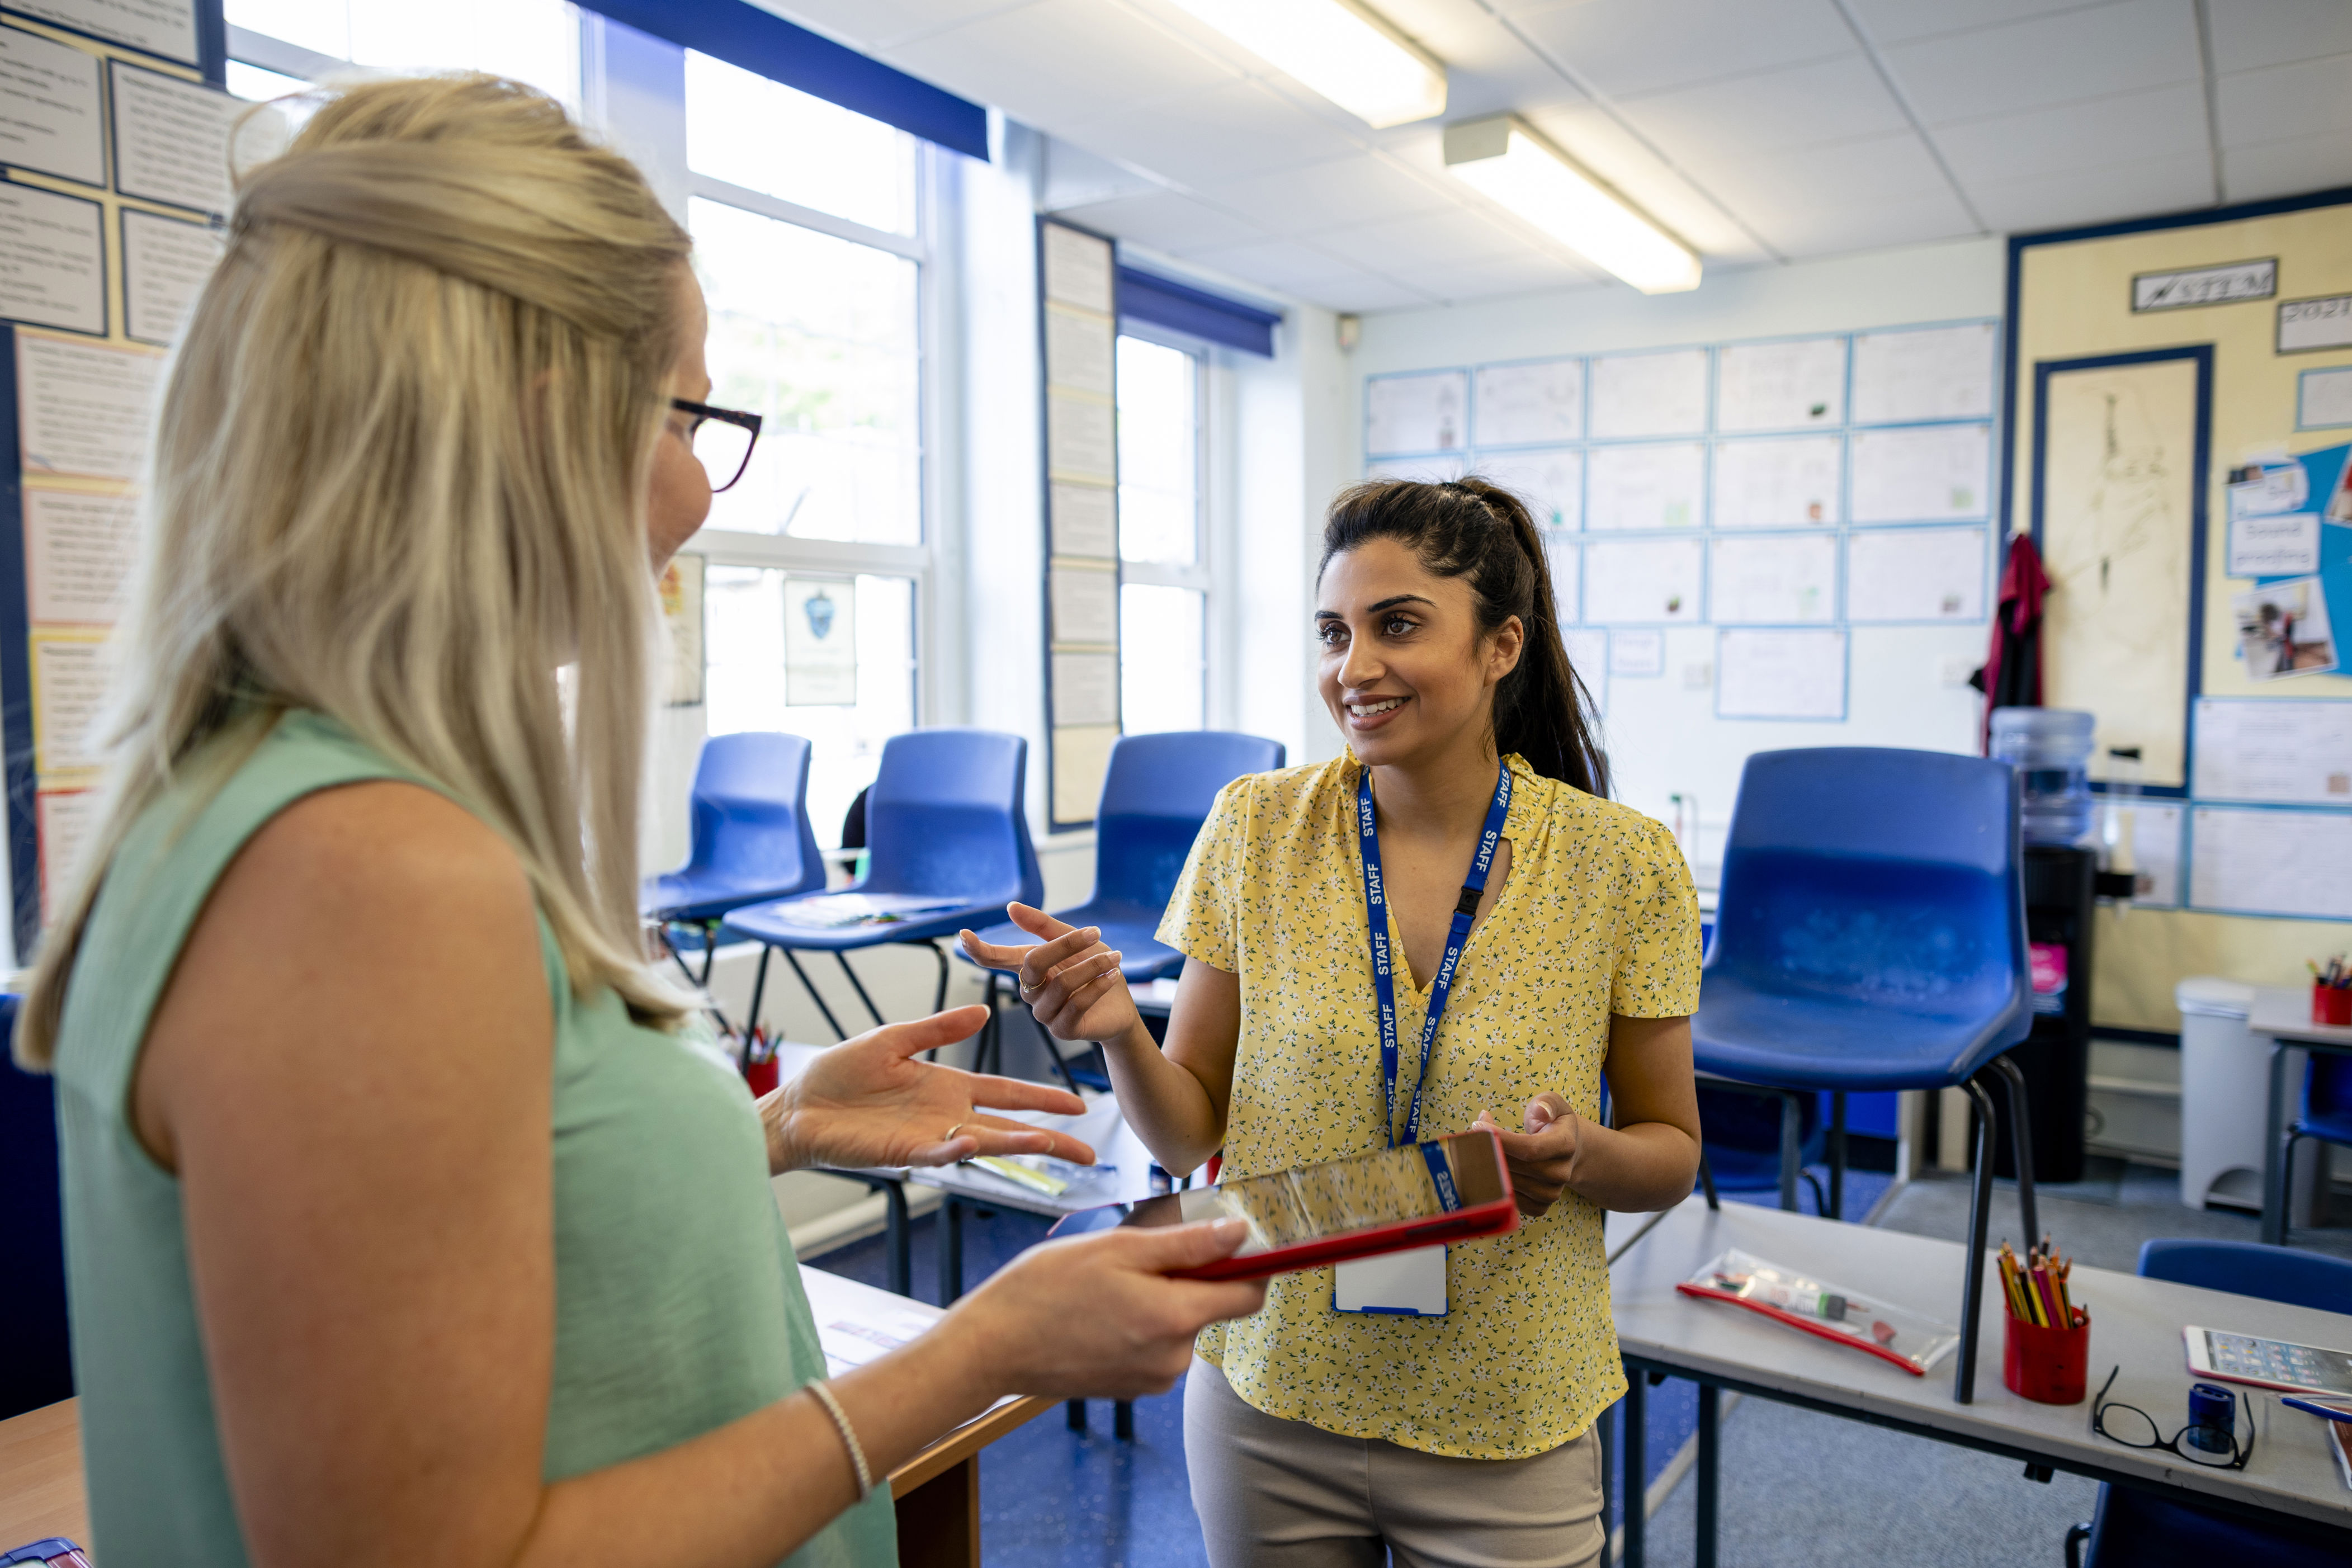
[825, 1397]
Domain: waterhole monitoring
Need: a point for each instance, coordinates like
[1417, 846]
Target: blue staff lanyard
[1376, 914]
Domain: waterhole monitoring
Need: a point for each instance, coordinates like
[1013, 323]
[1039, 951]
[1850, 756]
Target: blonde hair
[400, 478]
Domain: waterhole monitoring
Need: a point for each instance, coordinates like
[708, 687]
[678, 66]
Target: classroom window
[738, 123]
[830, 656]
[1164, 604]
[534, 41]
[818, 335]
[1163, 668]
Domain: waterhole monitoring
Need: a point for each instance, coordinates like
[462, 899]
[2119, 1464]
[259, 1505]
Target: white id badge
[1398, 1284]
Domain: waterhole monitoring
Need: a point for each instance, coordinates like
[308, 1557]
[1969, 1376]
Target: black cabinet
[2061, 898]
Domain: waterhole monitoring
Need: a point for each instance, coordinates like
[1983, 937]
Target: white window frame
[1200, 575]
[726, 547]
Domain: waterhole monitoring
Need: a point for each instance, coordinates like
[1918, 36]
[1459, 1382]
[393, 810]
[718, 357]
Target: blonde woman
[407, 1220]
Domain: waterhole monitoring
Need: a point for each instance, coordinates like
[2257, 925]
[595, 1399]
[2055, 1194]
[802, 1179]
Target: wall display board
[99, 260]
[2184, 469]
[1076, 287]
[1786, 486]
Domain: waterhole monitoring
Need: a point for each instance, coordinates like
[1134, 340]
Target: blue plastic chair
[1156, 794]
[1870, 934]
[2326, 1116]
[1761, 1142]
[37, 1367]
[2144, 1530]
[750, 842]
[945, 818]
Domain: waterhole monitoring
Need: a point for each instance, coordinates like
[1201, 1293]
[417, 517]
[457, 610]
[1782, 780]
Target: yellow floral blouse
[1597, 917]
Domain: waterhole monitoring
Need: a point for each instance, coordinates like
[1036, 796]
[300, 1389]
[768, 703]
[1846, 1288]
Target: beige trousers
[1271, 1492]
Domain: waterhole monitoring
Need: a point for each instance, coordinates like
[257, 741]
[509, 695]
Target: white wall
[1661, 733]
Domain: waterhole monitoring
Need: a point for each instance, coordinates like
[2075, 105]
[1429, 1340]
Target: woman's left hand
[868, 1101]
[1539, 1157]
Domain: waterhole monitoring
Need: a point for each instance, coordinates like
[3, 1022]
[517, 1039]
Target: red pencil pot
[2331, 1005]
[763, 1075]
[2046, 1365]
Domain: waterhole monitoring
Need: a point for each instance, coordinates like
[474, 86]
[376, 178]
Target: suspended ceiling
[1759, 130]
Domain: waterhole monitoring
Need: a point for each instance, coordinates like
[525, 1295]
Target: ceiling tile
[1364, 294]
[2160, 122]
[2285, 102]
[1625, 47]
[1668, 193]
[1827, 101]
[2248, 34]
[1290, 268]
[1880, 168]
[2069, 198]
[1448, 238]
[2286, 168]
[1055, 63]
[1528, 274]
[1900, 21]
[2054, 60]
[1211, 138]
[1805, 233]
[1164, 221]
[1330, 194]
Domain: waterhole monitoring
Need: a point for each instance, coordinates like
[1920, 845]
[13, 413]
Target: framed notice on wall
[1077, 282]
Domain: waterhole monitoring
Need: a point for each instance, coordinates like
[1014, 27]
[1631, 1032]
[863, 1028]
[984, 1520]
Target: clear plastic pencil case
[1871, 1324]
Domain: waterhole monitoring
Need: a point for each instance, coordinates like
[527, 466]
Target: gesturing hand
[1539, 1157]
[1070, 980]
[868, 1101]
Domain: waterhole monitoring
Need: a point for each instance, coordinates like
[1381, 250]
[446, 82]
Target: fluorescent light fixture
[1502, 159]
[1348, 54]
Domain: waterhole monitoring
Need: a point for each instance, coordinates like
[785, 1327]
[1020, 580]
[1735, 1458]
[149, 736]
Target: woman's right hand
[1097, 1316]
[1070, 980]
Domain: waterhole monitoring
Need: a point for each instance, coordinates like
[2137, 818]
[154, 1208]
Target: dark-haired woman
[1448, 1417]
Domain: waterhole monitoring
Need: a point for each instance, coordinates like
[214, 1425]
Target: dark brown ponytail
[1481, 533]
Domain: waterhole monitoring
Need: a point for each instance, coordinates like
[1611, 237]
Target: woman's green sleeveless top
[678, 1304]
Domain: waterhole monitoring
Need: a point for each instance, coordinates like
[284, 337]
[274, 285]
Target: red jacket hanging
[2012, 676]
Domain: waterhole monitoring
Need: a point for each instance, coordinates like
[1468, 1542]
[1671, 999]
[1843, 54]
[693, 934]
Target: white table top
[2284, 1012]
[2135, 1322]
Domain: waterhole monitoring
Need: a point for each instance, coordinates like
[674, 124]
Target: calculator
[2268, 1363]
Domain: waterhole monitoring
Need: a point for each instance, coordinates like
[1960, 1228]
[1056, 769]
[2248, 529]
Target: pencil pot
[2331, 1005]
[2046, 1365]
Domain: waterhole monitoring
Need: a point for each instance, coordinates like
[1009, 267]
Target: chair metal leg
[2286, 1183]
[2021, 1142]
[759, 991]
[1707, 1180]
[815, 994]
[986, 1051]
[940, 996]
[1710, 1471]
[2273, 1168]
[1793, 1153]
[1632, 1503]
[950, 1220]
[1074, 1416]
[2076, 1535]
[1837, 1155]
[1964, 1379]
[1606, 1430]
[902, 1263]
[1122, 1420]
[858, 985]
[709, 952]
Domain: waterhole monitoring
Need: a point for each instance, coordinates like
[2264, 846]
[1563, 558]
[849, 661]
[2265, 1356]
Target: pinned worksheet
[1642, 580]
[1780, 674]
[2251, 861]
[1660, 394]
[1086, 689]
[1084, 520]
[1934, 373]
[1078, 349]
[83, 408]
[49, 115]
[2273, 544]
[1530, 404]
[1084, 602]
[2290, 751]
[1588, 655]
[1565, 561]
[1792, 481]
[69, 684]
[1794, 385]
[52, 259]
[1655, 484]
[65, 818]
[79, 551]
[1773, 579]
[166, 264]
[166, 27]
[1637, 654]
[1081, 437]
[1424, 413]
[1899, 575]
[172, 139]
[1924, 473]
[1552, 482]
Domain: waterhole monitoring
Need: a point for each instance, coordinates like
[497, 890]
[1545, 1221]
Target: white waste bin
[2225, 1098]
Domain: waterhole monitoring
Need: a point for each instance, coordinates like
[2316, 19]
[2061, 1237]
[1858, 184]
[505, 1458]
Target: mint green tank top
[678, 1302]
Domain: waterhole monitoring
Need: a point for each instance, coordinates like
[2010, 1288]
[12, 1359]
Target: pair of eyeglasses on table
[722, 439]
[2133, 1428]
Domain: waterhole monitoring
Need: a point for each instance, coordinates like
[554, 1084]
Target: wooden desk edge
[965, 1441]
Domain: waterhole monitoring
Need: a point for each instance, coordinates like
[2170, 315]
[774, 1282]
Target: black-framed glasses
[2135, 1428]
[722, 439]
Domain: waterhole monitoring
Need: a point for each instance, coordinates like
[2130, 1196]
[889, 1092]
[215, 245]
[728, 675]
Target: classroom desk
[937, 1491]
[2135, 1323]
[2284, 1013]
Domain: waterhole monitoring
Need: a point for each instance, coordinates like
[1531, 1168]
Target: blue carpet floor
[1052, 1498]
